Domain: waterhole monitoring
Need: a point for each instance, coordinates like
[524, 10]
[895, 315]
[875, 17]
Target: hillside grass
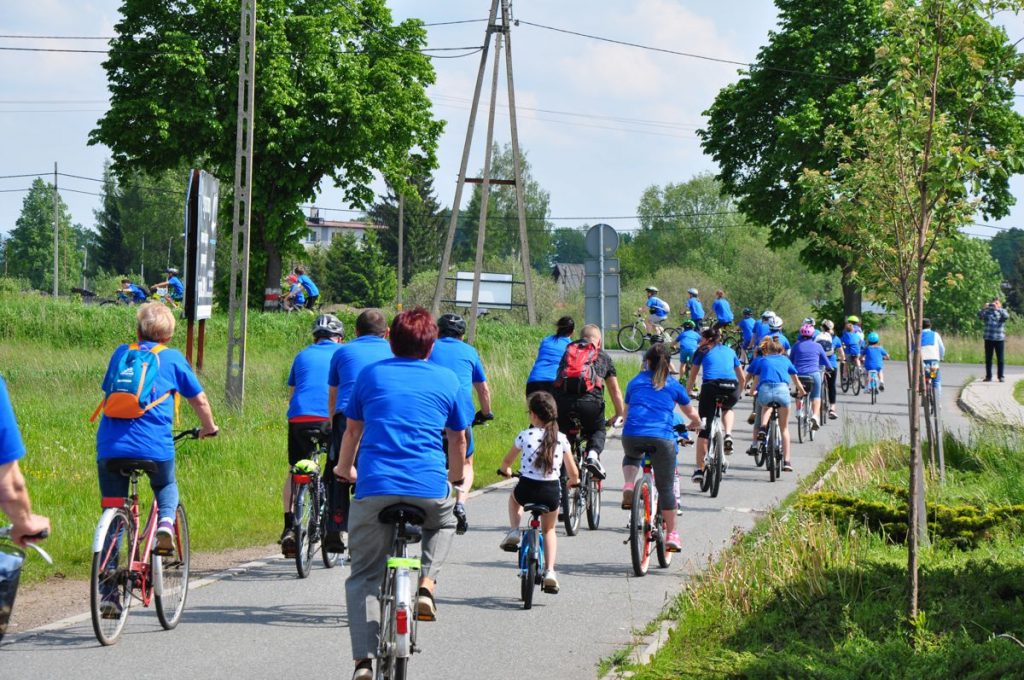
[810, 594]
[53, 355]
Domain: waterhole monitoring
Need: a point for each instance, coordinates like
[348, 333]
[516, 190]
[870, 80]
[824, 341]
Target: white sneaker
[550, 582]
[511, 541]
[814, 423]
[595, 466]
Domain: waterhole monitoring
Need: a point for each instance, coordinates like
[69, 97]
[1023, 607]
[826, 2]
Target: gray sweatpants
[663, 462]
[370, 542]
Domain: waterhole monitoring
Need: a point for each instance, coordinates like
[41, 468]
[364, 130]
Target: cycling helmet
[292, 278]
[171, 270]
[651, 289]
[692, 291]
[328, 326]
[807, 330]
[853, 319]
[872, 338]
[689, 325]
[747, 311]
[767, 314]
[451, 326]
[809, 320]
[775, 323]
[828, 325]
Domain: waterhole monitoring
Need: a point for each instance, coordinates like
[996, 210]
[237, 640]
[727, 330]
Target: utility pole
[56, 228]
[142, 261]
[502, 29]
[238, 305]
[85, 263]
[401, 250]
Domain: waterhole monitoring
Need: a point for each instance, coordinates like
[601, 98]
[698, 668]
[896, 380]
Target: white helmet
[775, 323]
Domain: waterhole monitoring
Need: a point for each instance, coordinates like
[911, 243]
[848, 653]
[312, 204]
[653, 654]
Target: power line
[37, 174]
[11, 191]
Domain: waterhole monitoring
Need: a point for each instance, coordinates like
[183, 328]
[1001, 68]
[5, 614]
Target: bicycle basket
[11, 560]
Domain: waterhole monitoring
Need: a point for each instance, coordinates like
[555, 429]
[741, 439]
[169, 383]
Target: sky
[599, 122]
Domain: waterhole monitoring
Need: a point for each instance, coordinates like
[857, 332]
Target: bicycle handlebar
[501, 473]
[192, 434]
[5, 532]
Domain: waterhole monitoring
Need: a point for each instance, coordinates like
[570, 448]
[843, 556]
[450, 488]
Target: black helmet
[747, 311]
[328, 326]
[451, 326]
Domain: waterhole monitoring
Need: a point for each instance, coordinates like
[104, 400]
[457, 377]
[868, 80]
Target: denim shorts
[773, 392]
[815, 390]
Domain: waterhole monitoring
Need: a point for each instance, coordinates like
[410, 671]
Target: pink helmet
[807, 331]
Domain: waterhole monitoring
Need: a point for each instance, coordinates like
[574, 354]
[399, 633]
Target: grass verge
[1018, 392]
[817, 594]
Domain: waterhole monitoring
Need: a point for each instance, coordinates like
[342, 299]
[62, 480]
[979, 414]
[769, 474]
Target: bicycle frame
[141, 565]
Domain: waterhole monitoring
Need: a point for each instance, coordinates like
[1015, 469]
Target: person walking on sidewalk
[994, 317]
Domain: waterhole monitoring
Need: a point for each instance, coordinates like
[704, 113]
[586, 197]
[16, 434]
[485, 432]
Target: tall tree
[340, 94]
[425, 221]
[962, 278]
[29, 249]
[357, 271]
[503, 217]
[569, 245]
[152, 214]
[112, 253]
[911, 172]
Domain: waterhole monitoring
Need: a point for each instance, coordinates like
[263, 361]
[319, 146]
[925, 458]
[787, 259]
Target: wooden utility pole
[56, 228]
[502, 31]
[238, 301]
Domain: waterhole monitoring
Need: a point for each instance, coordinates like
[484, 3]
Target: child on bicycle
[542, 450]
[773, 371]
[874, 355]
[688, 341]
[853, 340]
[657, 310]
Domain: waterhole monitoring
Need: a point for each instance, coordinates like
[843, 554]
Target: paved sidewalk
[994, 401]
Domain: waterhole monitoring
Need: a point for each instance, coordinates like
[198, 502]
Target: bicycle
[932, 416]
[310, 508]
[399, 593]
[125, 559]
[715, 463]
[857, 378]
[586, 496]
[12, 558]
[872, 386]
[770, 448]
[803, 412]
[632, 337]
[646, 525]
[826, 404]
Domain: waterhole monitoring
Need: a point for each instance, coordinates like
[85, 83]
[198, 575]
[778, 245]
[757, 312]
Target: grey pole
[56, 228]
[401, 255]
[600, 276]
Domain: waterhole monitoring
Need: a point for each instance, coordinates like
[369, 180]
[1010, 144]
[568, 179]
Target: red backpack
[578, 371]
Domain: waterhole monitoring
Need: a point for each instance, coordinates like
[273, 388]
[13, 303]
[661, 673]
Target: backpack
[578, 372]
[825, 340]
[131, 389]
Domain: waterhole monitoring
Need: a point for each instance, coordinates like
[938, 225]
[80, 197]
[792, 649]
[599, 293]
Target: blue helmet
[872, 338]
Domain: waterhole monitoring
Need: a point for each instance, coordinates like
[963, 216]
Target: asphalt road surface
[263, 622]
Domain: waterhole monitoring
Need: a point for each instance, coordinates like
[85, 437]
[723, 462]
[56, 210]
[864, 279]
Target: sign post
[202, 198]
[601, 282]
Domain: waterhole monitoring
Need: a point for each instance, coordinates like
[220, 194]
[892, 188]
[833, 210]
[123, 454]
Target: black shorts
[535, 491]
[311, 301]
[301, 440]
[710, 391]
[540, 386]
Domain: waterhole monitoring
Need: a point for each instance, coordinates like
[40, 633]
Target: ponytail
[659, 364]
[543, 406]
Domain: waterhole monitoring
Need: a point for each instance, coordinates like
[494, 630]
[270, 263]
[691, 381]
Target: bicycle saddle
[402, 512]
[536, 507]
[126, 466]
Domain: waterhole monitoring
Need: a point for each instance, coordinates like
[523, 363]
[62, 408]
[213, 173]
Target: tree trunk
[852, 300]
[272, 280]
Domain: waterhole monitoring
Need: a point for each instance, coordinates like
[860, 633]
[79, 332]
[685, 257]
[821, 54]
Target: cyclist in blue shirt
[809, 358]
[309, 288]
[132, 293]
[549, 355]
[722, 309]
[688, 341]
[761, 329]
[723, 379]
[452, 353]
[833, 348]
[14, 498]
[747, 326]
[775, 332]
[295, 298]
[175, 288]
[308, 411]
[933, 351]
[695, 308]
[773, 371]
[651, 399]
[874, 355]
[368, 347]
[657, 310]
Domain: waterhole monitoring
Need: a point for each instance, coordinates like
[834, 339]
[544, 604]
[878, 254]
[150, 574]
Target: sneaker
[110, 607]
[679, 509]
[627, 498]
[595, 467]
[426, 610]
[288, 543]
[697, 477]
[987, 380]
[673, 543]
[461, 522]
[762, 434]
[815, 425]
[364, 671]
[752, 450]
[550, 582]
[787, 467]
[511, 541]
[881, 385]
[165, 537]
[727, 444]
[751, 418]
[1000, 380]
[335, 541]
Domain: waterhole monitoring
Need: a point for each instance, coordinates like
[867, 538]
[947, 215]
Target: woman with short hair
[549, 355]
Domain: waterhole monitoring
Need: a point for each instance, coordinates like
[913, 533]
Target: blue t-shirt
[873, 356]
[650, 410]
[772, 369]
[309, 378]
[11, 446]
[150, 436]
[723, 311]
[747, 325]
[136, 293]
[307, 283]
[348, 362]
[717, 364]
[657, 306]
[463, 360]
[177, 288]
[853, 342]
[808, 356]
[696, 309]
[688, 341]
[300, 293]
[549, 354]
[761, 329]
[836, 345]
[404, 404]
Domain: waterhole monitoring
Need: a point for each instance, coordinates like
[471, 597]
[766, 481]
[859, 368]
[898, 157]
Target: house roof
[339, 224]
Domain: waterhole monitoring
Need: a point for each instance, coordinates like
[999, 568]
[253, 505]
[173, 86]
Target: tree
[357, 272]
[962, 279]
[340, 93]
[151, 208]
[1008, 250]
[425, 221]
[503, 217]
[911, 171]
[111, 253]
[29, 249]
[569, 245]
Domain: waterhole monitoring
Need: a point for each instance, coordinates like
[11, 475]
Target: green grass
[53, 356]
[805, 596]
[960, 349]
[1018, 392]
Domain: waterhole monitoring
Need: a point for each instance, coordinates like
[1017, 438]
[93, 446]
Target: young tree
[357, 272]
[425, 222]
[29, 249]
[340, 94]
[911, 171]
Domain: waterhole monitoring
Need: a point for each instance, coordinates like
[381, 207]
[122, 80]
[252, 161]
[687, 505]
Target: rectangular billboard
[202, 198]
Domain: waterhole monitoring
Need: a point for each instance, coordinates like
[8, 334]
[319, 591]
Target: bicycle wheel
[825, 404]
[640, 527]
[874, 393]
[770, 452]
[593, 502]
[855, 381]
[671, 334]
[528, 573]
[302, 508]
[664, 556]
[386, 645]
[717, 464]
[801, 423]
[174, 575]
[631, 338]
[844, 378]
[110, 585]
[760, 455]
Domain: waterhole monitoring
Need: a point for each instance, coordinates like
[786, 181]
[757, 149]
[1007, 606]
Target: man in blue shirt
[695, 308]
[368, 347]
[175, 288]
[132, 293]
[657, 312]
[14, 499]
[307, 407]
[722, 309]
[452, 353]
[747, 325]
[310, 288]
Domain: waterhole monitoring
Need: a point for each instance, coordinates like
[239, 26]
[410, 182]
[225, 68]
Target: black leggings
[830, 384]
[590, 412]
[663, 462]
[337, 491]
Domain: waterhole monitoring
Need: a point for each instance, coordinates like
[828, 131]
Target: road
[263, 622]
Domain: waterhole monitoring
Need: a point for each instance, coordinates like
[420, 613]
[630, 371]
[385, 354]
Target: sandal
[426, 610]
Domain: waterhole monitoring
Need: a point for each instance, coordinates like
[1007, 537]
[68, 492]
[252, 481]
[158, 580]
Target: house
[569, 277]
[320, 231]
